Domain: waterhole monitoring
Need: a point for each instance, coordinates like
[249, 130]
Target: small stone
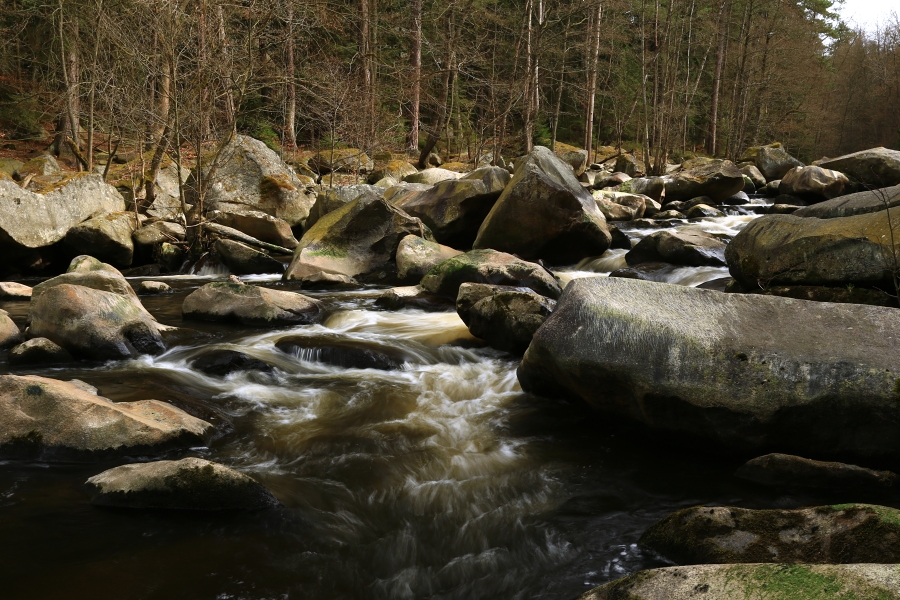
[10, 290]
[38, 351]
[153, 287]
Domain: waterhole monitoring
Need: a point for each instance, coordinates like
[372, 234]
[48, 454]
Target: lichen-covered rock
[186, 484]
[546, 213]
[577, 159]
[329, 199]
[813, 183]
[241, 259]
[250, 175]
[454, 209]
[773, 162]
[756, 582]
[39, 166]
[503, 316]
[746, 371]
[347, 160]
[358, 240]
[87, 264]
[417, 256]
[876, 167]
[489, 266]
[38, 351]
[792, 250]
[10, 290]
[250, 305]
[680, 248]
[396, 169]
[617, 206]
[630, 165]
[259, 225]
[106, 238]
[859, 203]
[847, 533]
[106, 281]
[652, 187]
[717, 179]
[431, 176]
[40, 416]
[755, 176]
[787, 471]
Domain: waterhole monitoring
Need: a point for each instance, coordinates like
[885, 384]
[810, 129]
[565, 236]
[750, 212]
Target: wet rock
[755, 175]
[345, 160]
[647, 271]
[775, 162]
[717, 179]
[813, 184]
[746, 371]
[225, 362]
[454, 209]
[88, 264]
[186, 484]
[770, 190]
[38, 351]
[153, 270]
[397, 169]
[787, 471]
[876, 167]
[39, 166]
[749, 186]
[848, 294]
[10, 290]
[95, 324]
[680, 248]
[250, 305]
[719, 284]
[791, 250]
[854, 204]
[431, 176]
[668, 215]
[489, 266]
[153, 288]
[702, 211]
[330, 199]
[259, 225]
[412, 296]
[9, 331]
[358, 240]
[170, 257]
[40, 416]
[652, 187]
[328, 281]
[613, 211]
[244, 260]
[97, 280]
[754, 582]
[107, 238]
[250, 175]
[343, 352]
[416, 256]
[503, 316]
[555, 217]
[739, 199]
[846, 533]
[619, 239]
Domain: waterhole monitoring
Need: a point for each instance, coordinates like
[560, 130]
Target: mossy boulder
[148, 239]
[868, 201]
[331, 198]
[186, 484]
[395, 169]
[489, 266]
[346, 160]
[358, 240]
[39, 166]
[416, 256]
[107, 238]
[503, 316]
[744, 371]
[847, 533]
[617, 206]
[787, 472]
[630, 165]
[546, 213]
[875, 167]
[226, 301]
[718, 179]
[679, 248]
[652, 187]
[51, 418]
[454, 209]
[756, 582]
[755, 176]
[792, 250]
[86, 263]
[244, 260]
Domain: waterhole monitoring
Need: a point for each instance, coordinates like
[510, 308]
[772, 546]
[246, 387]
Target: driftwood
[234, 234]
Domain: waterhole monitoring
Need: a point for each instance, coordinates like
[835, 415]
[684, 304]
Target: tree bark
[290, 130]
[415, 62]
[594, 32]
[717, 78]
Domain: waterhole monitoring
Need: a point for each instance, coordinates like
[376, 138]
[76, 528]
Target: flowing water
[440, 479]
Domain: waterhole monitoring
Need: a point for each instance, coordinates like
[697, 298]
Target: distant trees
[468, 77]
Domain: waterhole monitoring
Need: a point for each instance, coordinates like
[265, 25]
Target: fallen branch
[238, 236]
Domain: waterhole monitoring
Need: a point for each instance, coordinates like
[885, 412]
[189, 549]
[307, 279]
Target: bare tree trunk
[90, 139]
[415, 61]
[290, 128]
[69, 64]
[229, 94]
[594, 32]
[717, 78]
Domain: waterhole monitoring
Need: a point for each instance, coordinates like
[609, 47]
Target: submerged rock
[755, 582]
[546, 213]
[846, 533]
[186, 484]
[153, 287]
[250, 305]
[38, 351]
[746, 371]
[503, 316]
[343, 352]
[40, 416]
[489, 266]
[786, 471]
[225, 362]
[690, 248]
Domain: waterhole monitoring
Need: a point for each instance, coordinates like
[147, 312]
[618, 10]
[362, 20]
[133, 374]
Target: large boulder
[417, 256]
[395, 169]
[678, 248]
[106, 281]
[431, 176]
[250, 305]
[545, 212]
[358, 240]
[88, 264]
[847, 533]
[454, 209]
[489, 266]
[755, 176]
[745, 371]
[347, 160]
[876, 167]
[630, 165]
[755, 582]
[616, 206]
[93, 323]
[250, 175]
[859, 203]
[788, 471]
[652, 187]
[791, 250]
[107, 238]
[813, 184]
[57, 418]
[186, 484]
[330, 199]
[774, 162]
[244, 260]
[39, 166]
[131, 178]
[259, 225]
[503, 316]
[718, 179]
[577, 159]
[34, 220]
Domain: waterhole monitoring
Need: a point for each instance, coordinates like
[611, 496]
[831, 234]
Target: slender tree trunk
[226, 60]
[594, 33]
[69, 64]
[415, 61]
[290, 129]
[721, 34]
[90, 139]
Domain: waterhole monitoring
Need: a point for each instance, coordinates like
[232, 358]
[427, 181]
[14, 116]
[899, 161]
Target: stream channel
[437, 480]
